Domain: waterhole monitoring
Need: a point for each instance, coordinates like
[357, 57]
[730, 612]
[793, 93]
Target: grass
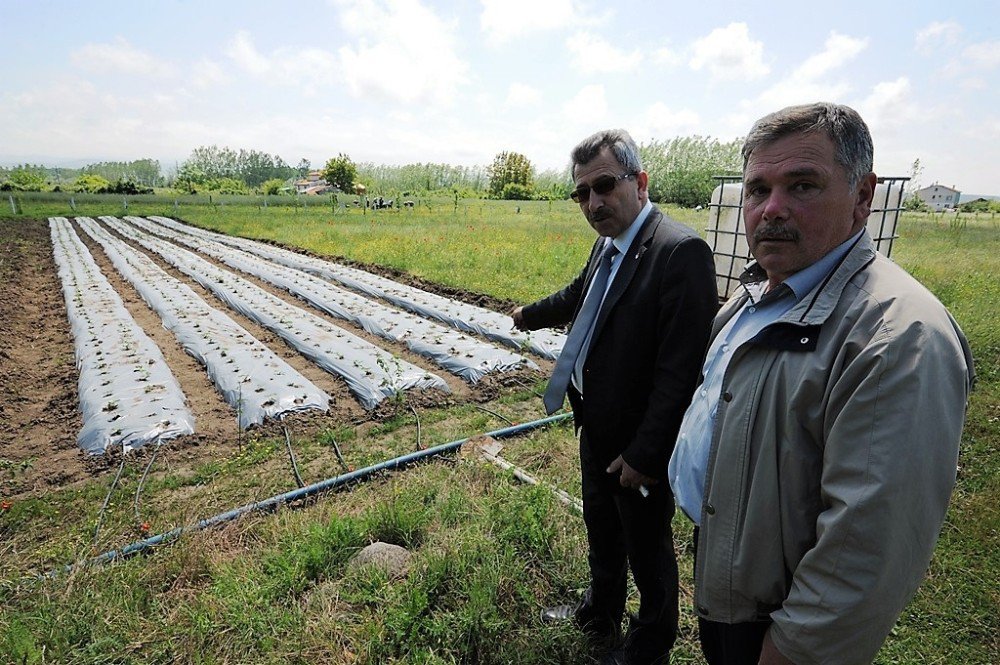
[488, 552]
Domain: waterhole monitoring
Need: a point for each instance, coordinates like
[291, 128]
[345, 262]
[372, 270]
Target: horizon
[395, 82]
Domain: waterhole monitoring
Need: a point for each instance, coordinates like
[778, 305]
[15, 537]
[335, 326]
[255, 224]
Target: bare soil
[39, 419]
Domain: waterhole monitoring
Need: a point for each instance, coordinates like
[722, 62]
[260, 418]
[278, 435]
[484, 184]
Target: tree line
[681, 171]
[133, 177]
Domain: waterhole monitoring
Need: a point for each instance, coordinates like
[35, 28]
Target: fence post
[124, 203]
[13, 208]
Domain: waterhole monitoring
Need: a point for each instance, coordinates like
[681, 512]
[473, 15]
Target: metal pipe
[301, 493]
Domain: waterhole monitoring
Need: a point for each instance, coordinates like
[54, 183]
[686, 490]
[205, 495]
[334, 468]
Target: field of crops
[102, 287]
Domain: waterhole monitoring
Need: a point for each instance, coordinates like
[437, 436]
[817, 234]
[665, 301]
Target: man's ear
[642, 179]
[864, 193]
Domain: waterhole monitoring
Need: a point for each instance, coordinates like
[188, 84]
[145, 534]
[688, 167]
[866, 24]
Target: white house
[939, 197]
[313, 184]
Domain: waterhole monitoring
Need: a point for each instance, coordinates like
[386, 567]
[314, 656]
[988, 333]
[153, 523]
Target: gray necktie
[584, 321]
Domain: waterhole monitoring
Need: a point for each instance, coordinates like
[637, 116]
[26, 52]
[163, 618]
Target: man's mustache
[763, 233]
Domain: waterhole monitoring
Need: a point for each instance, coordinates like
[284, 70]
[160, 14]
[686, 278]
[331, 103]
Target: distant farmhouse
[939, 197]
[313, 184]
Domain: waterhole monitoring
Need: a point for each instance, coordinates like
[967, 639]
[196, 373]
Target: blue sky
[401, 81]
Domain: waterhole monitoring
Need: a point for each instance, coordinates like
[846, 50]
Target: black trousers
[625, 529]
[729, 643]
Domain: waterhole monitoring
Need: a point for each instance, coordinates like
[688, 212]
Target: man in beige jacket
[819, 453]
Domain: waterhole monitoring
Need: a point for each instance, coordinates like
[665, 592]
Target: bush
[227, 186]
[272, 187]
[515, 191]
[980, 205]
[915, 204]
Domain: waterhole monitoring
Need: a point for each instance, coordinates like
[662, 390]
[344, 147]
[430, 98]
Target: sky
[456, 82]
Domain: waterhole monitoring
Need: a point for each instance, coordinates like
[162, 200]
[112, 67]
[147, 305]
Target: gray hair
[618, 141]
[852, 141]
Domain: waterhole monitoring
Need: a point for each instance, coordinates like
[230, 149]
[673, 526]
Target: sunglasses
[602, 186]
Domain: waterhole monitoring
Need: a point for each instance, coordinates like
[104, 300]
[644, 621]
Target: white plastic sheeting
[466, 356]
[128, 395]
[251, 378]
[451, 312]
[371, 373]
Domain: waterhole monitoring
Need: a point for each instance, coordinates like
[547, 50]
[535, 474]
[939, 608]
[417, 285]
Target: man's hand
[769, 654]
[517, 314]
[630, 477]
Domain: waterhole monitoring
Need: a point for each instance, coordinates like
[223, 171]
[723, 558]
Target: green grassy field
[488, 552]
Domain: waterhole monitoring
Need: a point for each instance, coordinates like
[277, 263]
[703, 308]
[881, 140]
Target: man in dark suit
[629, 370]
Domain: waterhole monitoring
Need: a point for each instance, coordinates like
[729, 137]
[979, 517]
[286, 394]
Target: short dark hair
[618, 141]
[852, 141]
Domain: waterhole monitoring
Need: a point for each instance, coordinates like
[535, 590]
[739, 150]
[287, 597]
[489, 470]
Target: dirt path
[39, 419]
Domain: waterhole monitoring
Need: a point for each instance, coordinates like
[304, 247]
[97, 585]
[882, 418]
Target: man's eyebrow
[801, 172]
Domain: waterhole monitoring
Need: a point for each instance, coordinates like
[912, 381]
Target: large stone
[392, 559]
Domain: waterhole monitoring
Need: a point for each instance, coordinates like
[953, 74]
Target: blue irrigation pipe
[301, 493]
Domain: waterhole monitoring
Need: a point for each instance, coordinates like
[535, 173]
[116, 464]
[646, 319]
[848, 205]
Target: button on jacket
[833, 458]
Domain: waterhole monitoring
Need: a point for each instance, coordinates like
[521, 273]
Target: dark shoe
[642, 646]
[620, 656]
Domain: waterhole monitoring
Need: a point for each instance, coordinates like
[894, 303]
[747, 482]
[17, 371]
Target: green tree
[272, 187]
[914, 203]
[92, 184]
[190, 178]
[681, 170]
[340, 172]
[916, 170]
[227, 186]
[511, 168]
[26, 178]
[553, 185]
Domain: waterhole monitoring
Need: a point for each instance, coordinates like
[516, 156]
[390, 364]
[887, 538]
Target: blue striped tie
[584, 321]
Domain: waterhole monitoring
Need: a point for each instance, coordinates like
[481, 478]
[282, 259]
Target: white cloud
[243, 52]
[593, 55]
[589, 107]
[729, 54]
[308, 68]
[207, 74]
[837, 51]
[937, 34]
[889, 106]
[661, 122]
[522, 95]
[985, 55]
[809, 81]
[404, 53]
[119, 57]
[667, 57]
[505, 20]
[127, 127]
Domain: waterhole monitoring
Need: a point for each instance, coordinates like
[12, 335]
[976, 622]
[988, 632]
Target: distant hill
[965, 198]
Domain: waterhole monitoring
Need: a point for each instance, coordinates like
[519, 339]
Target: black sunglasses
[602, 186]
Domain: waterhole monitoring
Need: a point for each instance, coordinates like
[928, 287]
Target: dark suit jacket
[648, 344]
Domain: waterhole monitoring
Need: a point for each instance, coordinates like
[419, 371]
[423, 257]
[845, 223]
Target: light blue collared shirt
[689, 461]
[622, 242]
